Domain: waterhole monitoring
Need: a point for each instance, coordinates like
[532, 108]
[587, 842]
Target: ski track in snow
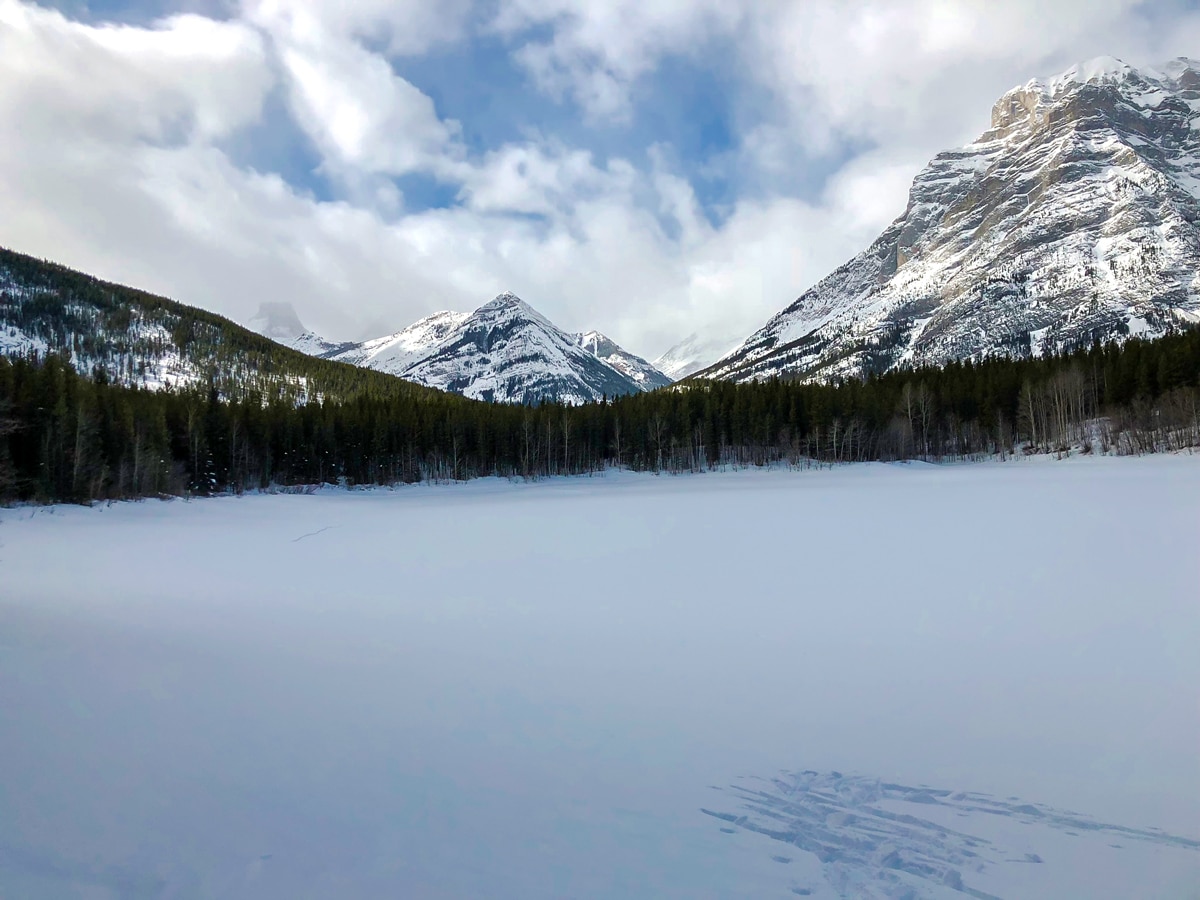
[313, 533]
[880, 839]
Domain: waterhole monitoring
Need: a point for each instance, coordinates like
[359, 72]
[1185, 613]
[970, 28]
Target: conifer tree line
[67, 437]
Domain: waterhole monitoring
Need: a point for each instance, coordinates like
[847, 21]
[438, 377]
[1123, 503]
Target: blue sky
[691, 109]
[651, 168]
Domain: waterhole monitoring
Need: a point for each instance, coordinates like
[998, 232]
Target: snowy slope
[640, 372]
[142, 340]
[508, 352]
[395, 353]
[96, 327]
[1073, 218]
[504, 351]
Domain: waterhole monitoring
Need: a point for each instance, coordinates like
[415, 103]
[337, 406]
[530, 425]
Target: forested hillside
[67, 437]
[130, 337]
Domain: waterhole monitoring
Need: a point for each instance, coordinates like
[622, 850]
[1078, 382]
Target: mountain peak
[277, 321]
[1145, 86]
[506, 351]
[1097, 69]
[595, 342]
[691, 355]
[1178, 68]
[505, 298]
[1073, 220]
[633, 367]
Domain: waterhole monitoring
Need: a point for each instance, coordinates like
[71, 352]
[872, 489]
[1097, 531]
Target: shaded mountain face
[691, 355]
[508, 352]
[633, 367]
[1074, 218]
[280, 322]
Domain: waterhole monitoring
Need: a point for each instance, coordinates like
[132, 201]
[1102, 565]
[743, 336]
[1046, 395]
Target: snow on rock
[396, 353]
[1075, 218]
[640, 372]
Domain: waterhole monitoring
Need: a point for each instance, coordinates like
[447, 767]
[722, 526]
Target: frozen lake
[877, 681]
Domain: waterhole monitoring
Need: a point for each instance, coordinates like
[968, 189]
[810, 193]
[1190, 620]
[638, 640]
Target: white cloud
[402, 26]
[189, 78]
[363, 117]
[600, 47]
[837, 71]
[544, 179]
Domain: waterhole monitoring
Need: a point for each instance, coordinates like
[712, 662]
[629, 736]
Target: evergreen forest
[80, 437]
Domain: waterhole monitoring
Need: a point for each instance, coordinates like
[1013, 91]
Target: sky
[647, 168]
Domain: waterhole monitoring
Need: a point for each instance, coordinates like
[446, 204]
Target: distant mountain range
[505, 351]
[1074, 218]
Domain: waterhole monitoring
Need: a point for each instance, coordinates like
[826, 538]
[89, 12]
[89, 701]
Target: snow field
[533, 690]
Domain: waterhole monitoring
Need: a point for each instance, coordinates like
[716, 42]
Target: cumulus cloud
[598, 48]
[189, 78]
[115, 154]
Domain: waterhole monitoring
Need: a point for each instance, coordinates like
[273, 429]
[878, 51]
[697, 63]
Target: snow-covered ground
[877, 681]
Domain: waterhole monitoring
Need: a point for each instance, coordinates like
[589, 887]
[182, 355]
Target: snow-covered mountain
[504, 351]
[1075, 217]
[278, 321]
[640, 372]
[691, 355]
[508, 352]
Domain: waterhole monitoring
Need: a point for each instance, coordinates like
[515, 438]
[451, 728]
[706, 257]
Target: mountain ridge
[1074, 218]
[642, 373]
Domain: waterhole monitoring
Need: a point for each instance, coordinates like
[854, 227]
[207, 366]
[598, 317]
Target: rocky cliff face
[1075, 217]
[633, 367]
